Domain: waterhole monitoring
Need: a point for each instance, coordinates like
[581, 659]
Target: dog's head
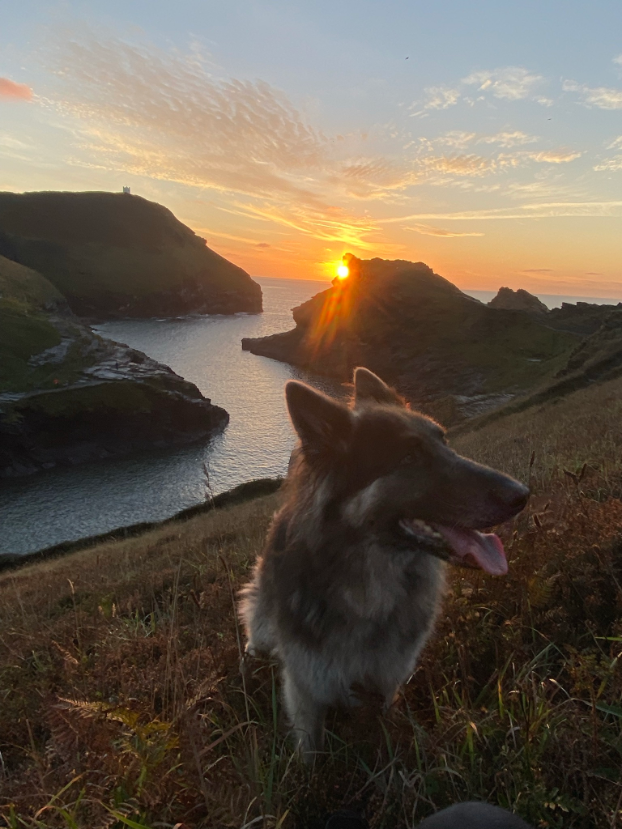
[391, 472]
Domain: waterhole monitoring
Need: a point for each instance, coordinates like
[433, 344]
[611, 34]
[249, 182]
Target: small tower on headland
[126, 190]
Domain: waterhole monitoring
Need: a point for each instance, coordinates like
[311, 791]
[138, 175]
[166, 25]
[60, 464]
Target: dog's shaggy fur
[349, 583]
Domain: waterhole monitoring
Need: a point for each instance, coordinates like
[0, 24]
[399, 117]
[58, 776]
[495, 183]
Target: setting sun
[343, 271]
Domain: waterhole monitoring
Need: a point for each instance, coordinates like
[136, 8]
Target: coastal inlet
[65, 504]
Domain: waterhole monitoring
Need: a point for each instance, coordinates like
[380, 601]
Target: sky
[482, 138]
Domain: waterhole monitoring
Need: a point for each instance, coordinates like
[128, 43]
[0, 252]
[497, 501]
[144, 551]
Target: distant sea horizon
[550, 300]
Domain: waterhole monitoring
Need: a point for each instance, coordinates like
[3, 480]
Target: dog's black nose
[517, 497]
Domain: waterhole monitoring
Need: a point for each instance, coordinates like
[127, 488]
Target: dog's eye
[407, 460]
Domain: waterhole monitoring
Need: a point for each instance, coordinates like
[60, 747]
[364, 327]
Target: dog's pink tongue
[485, 549]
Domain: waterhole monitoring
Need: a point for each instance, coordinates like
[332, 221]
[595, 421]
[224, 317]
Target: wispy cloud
[441, 97]
[13, 143]
[474, 165]
[139, 110]
[618, 60]
[505, 139]
[332, 226]
[613, 163]
[538, 270]
[555, 156]
[456, 165]
[609, 164]
[508, 139]
[171, 117]
[513, 83]
[428, 230]
[525, 211]
[11, 91]
[602, 97]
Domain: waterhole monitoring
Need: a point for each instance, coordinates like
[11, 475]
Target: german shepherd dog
[348, 586]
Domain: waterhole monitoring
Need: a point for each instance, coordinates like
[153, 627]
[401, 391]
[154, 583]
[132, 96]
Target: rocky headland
[68, 395]
[520, 300]
[448, 353]
[116, 255]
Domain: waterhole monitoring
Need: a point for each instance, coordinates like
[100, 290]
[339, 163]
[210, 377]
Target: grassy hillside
[115, 254]
[27, 328]
[123, 704]
[25, 289]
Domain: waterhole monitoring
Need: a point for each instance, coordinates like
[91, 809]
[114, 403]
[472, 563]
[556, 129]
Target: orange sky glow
[492, 174]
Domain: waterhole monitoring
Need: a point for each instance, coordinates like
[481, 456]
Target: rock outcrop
[68, 395]
[584, 318]
[116, 255]
[520, 300]
[445, 351]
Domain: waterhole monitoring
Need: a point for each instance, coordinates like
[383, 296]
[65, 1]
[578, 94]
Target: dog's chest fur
[350, 599]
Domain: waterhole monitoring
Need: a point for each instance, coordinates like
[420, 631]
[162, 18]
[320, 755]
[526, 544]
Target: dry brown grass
[122, 704]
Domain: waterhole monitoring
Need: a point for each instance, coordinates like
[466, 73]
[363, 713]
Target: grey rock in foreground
[122, 402]
[474, 815]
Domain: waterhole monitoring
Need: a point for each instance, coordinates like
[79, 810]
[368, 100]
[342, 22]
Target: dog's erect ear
[321, 423]
[369, 388]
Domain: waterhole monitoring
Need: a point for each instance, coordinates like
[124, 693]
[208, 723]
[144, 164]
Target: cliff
[68, 395]
[116, 255]
[442, 349]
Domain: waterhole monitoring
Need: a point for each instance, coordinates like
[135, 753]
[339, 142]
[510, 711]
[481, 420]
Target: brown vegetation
[122, 703]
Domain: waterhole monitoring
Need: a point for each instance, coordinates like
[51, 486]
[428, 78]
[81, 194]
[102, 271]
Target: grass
[21, 337]
[27, 327]
[23, 287]
[122, 703]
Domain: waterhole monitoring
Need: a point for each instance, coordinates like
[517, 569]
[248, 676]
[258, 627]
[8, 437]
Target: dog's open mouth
[469, 548]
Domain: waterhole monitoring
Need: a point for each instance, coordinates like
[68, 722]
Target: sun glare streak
[334, 316]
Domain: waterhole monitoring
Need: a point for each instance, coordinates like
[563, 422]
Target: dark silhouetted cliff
[117, 255]
[444, 350]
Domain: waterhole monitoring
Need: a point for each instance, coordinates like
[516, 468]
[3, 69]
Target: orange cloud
[555, 156]
[11, 91]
